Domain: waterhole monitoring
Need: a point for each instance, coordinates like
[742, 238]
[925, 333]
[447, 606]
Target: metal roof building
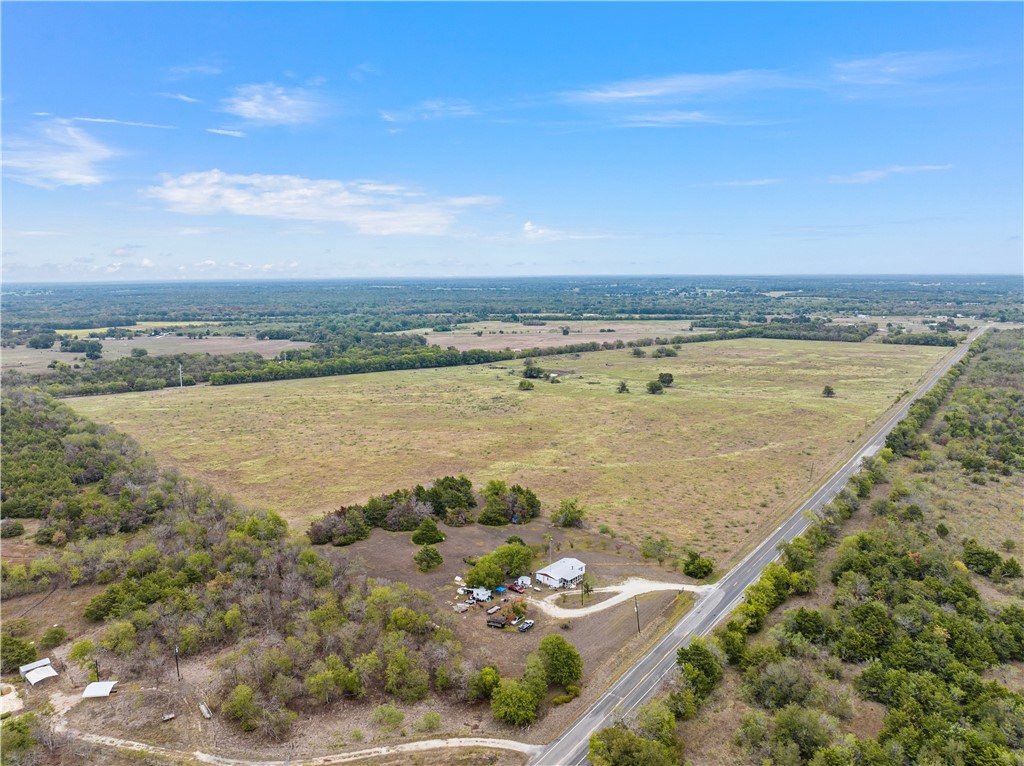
[564, 573]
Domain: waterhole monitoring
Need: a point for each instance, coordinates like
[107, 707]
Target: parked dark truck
[495, 623]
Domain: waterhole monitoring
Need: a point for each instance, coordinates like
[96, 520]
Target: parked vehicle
[516, 621]
[517, 588]
[536, 588]
[494, 609]
[495, 623]
[525, 626]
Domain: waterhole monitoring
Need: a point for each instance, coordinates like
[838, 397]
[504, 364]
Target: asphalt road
[641, 681]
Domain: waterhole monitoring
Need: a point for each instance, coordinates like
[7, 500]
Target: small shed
[40, 674]
[33, 666]
[98, 689]
[564, 573]
[524, 582]
[481, 594]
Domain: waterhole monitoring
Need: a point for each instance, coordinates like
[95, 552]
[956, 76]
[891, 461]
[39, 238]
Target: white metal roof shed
[98, 689]
[40, 674]
[564, 569]
[33, 665]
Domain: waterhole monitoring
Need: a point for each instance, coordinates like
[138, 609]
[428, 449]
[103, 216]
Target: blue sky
[154, 141]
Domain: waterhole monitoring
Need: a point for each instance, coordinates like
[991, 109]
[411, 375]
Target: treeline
[923, 339]
[449, 499]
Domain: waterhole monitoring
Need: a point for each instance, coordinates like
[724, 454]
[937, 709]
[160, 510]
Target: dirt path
[634, 586]
[323, 760]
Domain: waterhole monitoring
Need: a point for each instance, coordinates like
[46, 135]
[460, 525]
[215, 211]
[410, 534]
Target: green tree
[428, 558]
[570, 513]
[697, 566]
[513, 559]
[618, 746]
[665, 378]
[15, 652]
[240, 706]
[513, 703]
[562, 662]
[427, 533]
[482, 685]
[623, 388]
[655, 387]
[526, 385]
[54, 636]
[485, 574]
[828, 392]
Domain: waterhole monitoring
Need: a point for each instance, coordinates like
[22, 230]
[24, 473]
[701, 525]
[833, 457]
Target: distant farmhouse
[564, 573]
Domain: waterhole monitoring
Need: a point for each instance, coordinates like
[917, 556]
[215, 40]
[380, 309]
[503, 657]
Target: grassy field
[27, 359]
[740, 436]
[496, 336]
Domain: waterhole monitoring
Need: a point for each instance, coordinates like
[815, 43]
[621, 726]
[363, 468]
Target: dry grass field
[742, 434]
[497, 336]
[26, 359]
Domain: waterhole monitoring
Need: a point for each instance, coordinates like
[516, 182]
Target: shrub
[427, 533]
[15, 652]
[697, 567]
[11, 528]
[526, 385]
[569, 514]
[54, 636]
[428, 558]
[655, 387]
[431, 721]
[241, 707]
[387, 717]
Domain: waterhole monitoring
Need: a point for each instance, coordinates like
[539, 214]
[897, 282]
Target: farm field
[497, 336]
[26, 359]
[742, 434]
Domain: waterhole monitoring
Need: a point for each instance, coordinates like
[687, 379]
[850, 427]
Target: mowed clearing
[742, 434]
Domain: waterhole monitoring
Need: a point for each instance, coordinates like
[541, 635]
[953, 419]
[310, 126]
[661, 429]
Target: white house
[564, 573]
[481, 594]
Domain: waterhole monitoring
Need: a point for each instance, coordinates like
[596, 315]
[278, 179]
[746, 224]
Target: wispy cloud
[899, 68]
[180, 97]
[870, 176]
[435, 109]
[58, 154]
[272, 104]
[673, 119]
[107, 121]
[680, 86]
[225, 132]
[201, 69]
[751, 182]
[37, 233]
[368, 206]
[536, 233]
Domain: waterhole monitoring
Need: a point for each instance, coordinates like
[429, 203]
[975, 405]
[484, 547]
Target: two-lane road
[641, 681]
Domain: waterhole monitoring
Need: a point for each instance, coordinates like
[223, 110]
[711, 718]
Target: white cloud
[225, 132]
[370, 207]
[436, 109]
[870, 176]
[540, 234]
[680, 86]
[670, 119]
[898, 68]
[193, 70]
[180, 97]
[38, 233]
[122, 122]
[147, 263]
[272, 104]
[60, 154]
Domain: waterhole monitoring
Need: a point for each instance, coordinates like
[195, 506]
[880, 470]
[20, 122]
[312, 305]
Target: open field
[80, 333]
[713, 463]
[497, 336]
[26, 359]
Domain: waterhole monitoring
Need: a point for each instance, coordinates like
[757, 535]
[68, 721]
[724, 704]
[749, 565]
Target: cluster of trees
[510, 560]
[922, 339]
[81, 479]
[518, 701]
[988, 563]
[91, 348]
[449, 499]
[689, 561]
[983, 426]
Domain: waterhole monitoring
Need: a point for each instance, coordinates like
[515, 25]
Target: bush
[15, 652]
[655, 387]
[427, 533]
[431, 721]
[428, 558]
[483, 684]
[526, 385]
[54, 636]
[11, 528]
[387, 717]
[569, 514]
[241, 707]
[697, 567]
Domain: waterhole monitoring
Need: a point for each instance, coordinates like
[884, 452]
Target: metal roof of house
[98, 689]
[564, 569]
[40, 674]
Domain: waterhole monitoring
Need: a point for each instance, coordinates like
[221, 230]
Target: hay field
[714, 462]
[496, 336]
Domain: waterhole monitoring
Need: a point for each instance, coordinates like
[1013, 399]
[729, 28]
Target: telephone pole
[636, 608]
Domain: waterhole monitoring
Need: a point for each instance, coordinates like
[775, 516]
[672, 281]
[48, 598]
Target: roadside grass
[742, 432]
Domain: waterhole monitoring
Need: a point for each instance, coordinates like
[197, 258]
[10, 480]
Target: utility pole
[636, 608]
[177, 668]
[181, 381]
